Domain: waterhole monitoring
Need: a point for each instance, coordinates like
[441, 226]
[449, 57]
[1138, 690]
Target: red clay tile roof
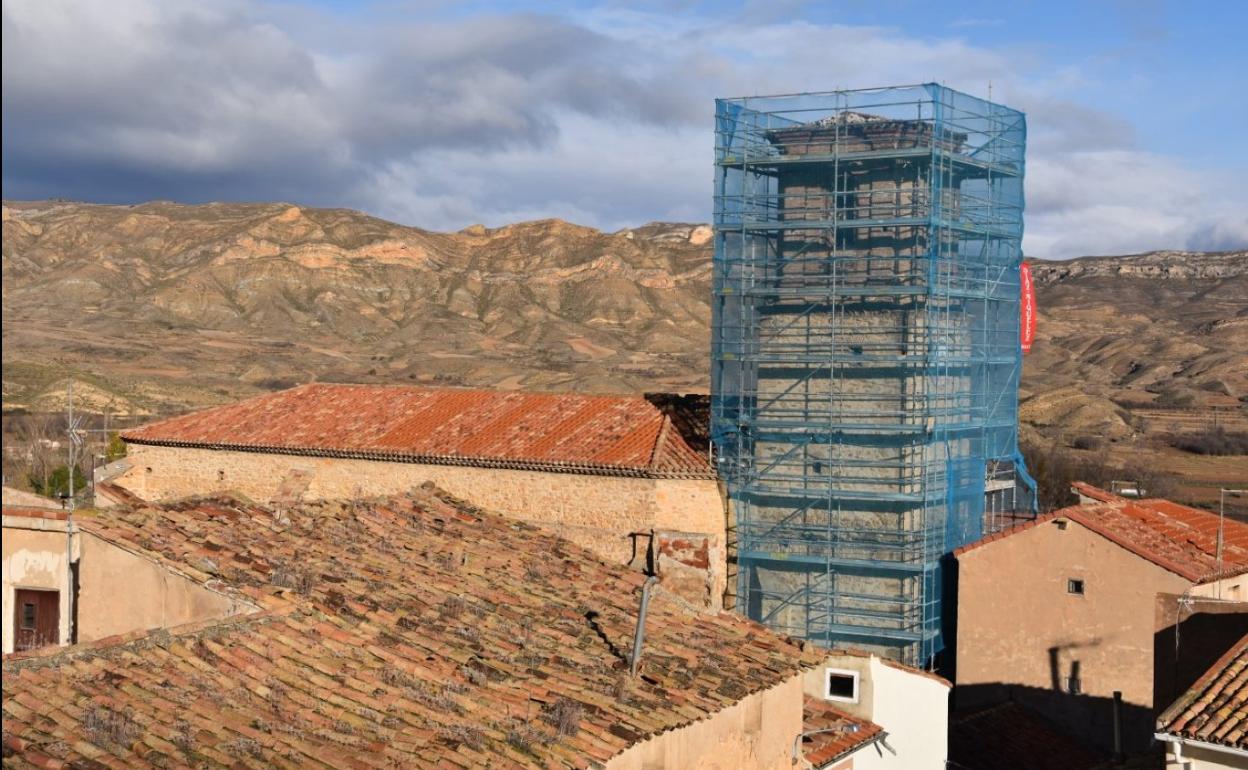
[1175, 537]
[415, 632]
[1215, 709]
[617, 435]
[1095, 493]
[846, 733]
[1009, 735]
[36, 513]
[109, 493]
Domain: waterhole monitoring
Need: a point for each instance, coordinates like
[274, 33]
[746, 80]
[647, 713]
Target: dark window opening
[1073, 685]
[1074, 587]
[28, 616]
[844, 686]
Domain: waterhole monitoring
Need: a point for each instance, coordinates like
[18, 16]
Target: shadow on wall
[1088, 718]
[1189, 644]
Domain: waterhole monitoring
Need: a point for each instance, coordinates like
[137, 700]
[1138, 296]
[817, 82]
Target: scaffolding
[865, 353]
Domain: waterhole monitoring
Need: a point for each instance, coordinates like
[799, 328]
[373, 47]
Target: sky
[445, 114]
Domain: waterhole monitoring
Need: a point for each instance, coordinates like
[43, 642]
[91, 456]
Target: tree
[116, 448]
[57, 482]
[38, 437]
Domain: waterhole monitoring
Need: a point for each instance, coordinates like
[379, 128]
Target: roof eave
[550, 466]
[1218, 747]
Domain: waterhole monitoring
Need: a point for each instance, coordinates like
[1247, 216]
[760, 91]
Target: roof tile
[559, 431]
[400, 634]
[1215, 708]
[1175, 537]
[829, 733]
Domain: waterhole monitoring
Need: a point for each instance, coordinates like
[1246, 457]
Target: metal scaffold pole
[865, 351]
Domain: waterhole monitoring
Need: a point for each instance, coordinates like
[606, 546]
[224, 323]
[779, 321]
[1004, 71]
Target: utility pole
[72, 424]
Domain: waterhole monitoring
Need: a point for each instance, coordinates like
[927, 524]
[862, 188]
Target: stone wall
[610, 515]
[756, 733]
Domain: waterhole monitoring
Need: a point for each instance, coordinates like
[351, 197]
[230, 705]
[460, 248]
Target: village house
[1063, 612]
[615, 474]
[66, 584]
[422, 631]
[908, 708]
[1207, 727]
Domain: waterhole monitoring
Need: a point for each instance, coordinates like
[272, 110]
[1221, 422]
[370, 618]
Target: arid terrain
[161, 307]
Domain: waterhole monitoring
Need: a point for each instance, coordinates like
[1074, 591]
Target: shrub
[1217, 441]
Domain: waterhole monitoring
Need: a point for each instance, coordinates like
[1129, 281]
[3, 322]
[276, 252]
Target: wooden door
[38, 621]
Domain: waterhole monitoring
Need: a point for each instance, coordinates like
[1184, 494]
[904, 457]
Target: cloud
[602, 116]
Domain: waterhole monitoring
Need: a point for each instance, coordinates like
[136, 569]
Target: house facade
[64, 584]
[1062, 613]
[910, 706]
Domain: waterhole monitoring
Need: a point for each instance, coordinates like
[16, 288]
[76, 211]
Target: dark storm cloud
[175, 100]
[439, 121]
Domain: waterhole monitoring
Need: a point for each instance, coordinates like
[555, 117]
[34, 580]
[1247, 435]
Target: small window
[842, 686]
[28, 616]
[1073, 685]
[1061, 524]
[1074, 587]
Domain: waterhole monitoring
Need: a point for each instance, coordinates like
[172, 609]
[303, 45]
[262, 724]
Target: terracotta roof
[109, 493]
[1215, 709]
[1095, 493]
[1011, 736]
[416, 632]
[844, 733]
[617, 435]
[36, 513]
[1175, 537]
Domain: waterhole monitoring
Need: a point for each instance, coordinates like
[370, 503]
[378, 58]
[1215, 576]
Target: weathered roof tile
[1215, 708]
[378, 649]
[557, 431]
[1175, 537]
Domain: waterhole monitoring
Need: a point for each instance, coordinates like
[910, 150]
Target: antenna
[72, 425]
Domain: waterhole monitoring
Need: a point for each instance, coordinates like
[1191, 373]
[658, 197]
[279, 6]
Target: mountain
[167, 306]
[160, 307]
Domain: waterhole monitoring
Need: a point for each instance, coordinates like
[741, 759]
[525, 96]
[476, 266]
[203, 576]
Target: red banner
[1027, 325]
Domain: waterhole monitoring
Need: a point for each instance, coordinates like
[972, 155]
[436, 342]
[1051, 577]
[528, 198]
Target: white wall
[912, 707]
[1199, 758]
[34, 557]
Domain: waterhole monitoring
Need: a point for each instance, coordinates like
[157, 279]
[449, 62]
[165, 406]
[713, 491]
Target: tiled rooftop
[618, 435]
[844, 733]
[35, 513]
[1215, 709]
[1175, 537]
[1009, 735]
[415, 632]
